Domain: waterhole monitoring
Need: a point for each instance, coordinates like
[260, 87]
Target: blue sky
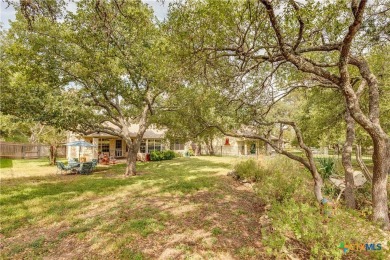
[8, 13]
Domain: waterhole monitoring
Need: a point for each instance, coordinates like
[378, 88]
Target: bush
[297, 225]
[250, 170]
[327, 167]
[168, 155]
[162, 155]
[316, 235]
[282, 181]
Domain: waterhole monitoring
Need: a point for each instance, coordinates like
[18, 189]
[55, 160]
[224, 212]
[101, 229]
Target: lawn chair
[358, 178]
[94, 163]
[62, 168]
[85, 168]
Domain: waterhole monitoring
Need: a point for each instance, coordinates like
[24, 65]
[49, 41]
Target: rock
[264, 221]
[234, 175]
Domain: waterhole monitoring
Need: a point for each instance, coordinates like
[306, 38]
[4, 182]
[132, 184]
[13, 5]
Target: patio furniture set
[74, 166]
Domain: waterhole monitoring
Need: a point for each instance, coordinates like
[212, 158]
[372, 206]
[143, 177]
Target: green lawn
[184, 208]
[5, 163]
[26, 168]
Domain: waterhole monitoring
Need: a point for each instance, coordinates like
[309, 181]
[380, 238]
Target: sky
[8, 12]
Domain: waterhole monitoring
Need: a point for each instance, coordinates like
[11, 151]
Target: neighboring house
[153, 140]
[241, 146]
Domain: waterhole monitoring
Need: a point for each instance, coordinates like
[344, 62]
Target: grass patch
[5, 163]
[216, 231]
[128, 253]
[82, 208]
[144, 226]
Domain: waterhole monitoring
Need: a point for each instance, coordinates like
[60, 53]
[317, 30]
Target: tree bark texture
[131, 161]
[53, 154]
[381, 159]
[347, 161]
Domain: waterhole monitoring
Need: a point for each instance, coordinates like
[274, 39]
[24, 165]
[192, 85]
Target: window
[157, 145]
[142, 148]
[154, 145]
[104, 146]
[177, 145]
[150, 145]
[253, 148]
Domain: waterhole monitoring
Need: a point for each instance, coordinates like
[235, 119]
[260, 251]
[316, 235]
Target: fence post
[39, 151]
[23, 152]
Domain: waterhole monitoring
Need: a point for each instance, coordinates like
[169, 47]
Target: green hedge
[162, 155]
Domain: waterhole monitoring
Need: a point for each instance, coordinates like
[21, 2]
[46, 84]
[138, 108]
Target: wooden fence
[28, 151]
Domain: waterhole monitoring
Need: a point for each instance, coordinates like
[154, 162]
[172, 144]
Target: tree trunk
[209, 143]
[198, 150]
[131, 161]
[268, 147]
[134, 144]
[280, 139]
[318, 182]
[347, 161]
[379, 183]
[53, 154]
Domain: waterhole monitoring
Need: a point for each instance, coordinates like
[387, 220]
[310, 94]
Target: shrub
[282, 180]
[297, 225]
[318, 236]
[250, 170]
[155, 156]
[162, 155]
[327, 167]
[168, 155]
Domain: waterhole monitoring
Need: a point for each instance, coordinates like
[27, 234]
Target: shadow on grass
[166, 173]
[56, 192]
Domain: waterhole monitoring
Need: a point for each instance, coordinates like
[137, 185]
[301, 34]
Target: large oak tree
[321, 44]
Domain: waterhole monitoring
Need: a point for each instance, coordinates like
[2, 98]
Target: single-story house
[154, 139]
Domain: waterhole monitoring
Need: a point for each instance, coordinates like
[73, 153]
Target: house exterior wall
[222, 146]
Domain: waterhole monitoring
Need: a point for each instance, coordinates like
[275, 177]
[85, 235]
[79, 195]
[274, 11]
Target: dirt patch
[210, 225]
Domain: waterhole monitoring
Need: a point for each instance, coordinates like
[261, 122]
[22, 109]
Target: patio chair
[62, 168]
[85, 168]
[94, 163]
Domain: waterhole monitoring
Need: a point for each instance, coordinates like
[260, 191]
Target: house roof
[252, 131]
[151, 133]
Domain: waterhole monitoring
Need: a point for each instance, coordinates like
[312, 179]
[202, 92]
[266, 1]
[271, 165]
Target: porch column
[245, 148]
[95, 149]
